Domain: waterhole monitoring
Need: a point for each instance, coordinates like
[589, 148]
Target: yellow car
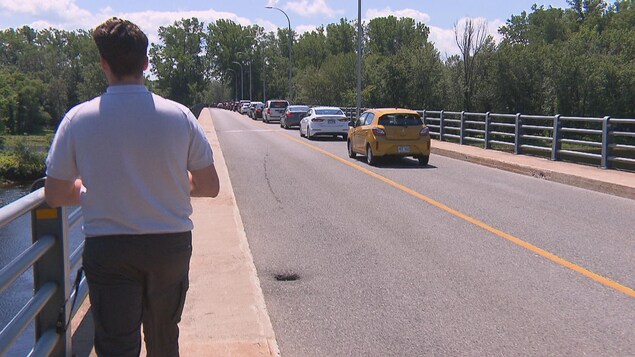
[389, 132]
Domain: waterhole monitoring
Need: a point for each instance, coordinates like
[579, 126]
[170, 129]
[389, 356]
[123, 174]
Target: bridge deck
[225, 313]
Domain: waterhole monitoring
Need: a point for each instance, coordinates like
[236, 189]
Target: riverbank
[22, 158]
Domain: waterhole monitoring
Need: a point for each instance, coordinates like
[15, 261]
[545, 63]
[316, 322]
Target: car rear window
[400, 120]
[278, 105]
[328, 112]
[298, 108]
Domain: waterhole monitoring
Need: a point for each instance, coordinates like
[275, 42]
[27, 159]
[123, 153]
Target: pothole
[287, 277]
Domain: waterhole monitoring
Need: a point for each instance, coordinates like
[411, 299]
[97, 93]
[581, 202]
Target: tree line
[578, 61]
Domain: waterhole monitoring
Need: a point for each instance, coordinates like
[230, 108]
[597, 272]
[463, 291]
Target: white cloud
[37, 7]
[267, 25]
[300, 29]
[59, 9]
[148, 21]
[444, 39]
[317, 7]
[272, 2]
[387, 11]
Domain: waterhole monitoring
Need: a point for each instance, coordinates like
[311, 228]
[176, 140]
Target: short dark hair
[123, 45]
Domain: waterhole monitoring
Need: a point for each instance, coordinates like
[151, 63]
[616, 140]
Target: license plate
[403, 148]
[331, 121]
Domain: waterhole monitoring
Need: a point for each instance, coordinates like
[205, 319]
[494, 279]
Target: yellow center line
[543, 253]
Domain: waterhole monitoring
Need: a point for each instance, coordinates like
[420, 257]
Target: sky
[304, 15]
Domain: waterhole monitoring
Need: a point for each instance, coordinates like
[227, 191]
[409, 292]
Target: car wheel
[352, 154]
[423, 160]
[370, 158]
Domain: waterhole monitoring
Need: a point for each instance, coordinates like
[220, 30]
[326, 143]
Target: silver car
[323, 121]
[274, 110]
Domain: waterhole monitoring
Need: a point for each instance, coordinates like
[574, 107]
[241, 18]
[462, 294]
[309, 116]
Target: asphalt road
[450, 259]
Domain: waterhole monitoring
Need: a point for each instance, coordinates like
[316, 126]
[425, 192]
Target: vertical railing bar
[556, 144]
[462, 130]
[518, 134]
[487, 144]
[441, 126]
[606, 141]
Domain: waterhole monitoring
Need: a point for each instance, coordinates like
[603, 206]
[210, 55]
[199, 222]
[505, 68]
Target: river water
[14, 239]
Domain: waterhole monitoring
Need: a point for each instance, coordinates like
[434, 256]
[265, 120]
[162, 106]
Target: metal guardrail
[50, 306]
[606, 142]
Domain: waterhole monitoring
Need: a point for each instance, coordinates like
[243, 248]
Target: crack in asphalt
[268, 180]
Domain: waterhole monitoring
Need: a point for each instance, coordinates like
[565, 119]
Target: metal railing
[50, 306]
[606, 142]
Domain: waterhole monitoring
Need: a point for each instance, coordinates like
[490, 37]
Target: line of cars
[377, 133]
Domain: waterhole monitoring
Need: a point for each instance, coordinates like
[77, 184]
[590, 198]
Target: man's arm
[61, 192]
[204, 182]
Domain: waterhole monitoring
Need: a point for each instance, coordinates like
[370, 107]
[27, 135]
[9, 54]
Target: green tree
[179, 63]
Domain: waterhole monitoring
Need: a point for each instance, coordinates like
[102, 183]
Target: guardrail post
[441, 126]
[423, 117]
[488, 120]
[54, 266]
[462, 134]
[606, 141]
[557, 135]
[518, 132]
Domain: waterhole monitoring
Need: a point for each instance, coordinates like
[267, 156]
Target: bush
[21, 164]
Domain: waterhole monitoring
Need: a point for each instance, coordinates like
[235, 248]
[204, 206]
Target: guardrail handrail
[50, 306]
[607, 142]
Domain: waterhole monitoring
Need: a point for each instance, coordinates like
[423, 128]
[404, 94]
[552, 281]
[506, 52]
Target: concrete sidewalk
[225, 312]
[614, 182]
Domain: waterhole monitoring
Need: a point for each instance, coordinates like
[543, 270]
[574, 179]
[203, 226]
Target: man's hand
[61, 192]
[204, 182]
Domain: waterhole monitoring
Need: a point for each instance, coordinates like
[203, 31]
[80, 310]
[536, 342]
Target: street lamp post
[236, 84]
[249, 80]
[265, 62]
[241, 79]
[289, 21]
[249, 62]
[359, 56]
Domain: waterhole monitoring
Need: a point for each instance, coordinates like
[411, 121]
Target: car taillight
[317, 120]
[289, 115]
[424, 131]
[269, 111]
[379, 132]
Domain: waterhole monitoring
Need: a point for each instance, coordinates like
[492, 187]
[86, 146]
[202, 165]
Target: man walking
[132, 159]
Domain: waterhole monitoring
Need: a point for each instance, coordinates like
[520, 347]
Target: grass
[39, 142]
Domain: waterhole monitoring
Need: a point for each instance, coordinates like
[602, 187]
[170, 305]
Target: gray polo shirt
[132, 149]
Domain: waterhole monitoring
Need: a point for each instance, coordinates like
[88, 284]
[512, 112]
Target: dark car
[293, 115]
[258, 111]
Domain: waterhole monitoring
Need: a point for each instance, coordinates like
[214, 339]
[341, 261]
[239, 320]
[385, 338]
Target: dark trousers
[135, 280]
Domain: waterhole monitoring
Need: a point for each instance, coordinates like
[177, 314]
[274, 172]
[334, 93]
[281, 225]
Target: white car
[243, 108]
[324, 121]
